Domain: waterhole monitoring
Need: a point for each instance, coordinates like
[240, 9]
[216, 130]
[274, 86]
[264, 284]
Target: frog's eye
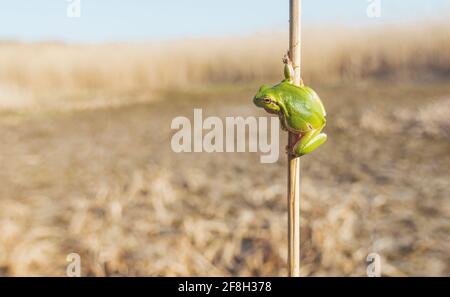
[267, 100]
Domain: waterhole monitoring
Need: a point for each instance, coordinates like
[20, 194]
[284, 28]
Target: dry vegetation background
[86, 164]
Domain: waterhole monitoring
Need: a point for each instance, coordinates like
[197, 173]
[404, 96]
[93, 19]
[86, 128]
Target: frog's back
[304, 110]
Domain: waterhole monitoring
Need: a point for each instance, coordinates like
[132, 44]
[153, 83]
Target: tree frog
[299, 108]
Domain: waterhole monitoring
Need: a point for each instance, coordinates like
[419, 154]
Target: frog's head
[268, 99]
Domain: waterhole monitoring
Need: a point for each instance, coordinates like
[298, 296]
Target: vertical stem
[294, 163]
[295, 50]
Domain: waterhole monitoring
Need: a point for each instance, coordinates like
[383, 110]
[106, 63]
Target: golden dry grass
[37, 73]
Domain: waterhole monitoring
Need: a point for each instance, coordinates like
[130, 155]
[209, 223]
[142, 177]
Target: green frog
[299, 108]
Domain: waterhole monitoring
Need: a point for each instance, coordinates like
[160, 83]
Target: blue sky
[140, 20]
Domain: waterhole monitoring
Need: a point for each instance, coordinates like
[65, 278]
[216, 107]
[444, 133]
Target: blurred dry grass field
[86, 164]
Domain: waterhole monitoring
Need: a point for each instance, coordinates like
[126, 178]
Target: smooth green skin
[300, 111]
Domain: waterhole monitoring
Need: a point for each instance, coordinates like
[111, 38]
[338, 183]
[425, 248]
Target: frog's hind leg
[309, 142]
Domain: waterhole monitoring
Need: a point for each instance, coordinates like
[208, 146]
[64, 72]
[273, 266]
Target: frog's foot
[288, 69]
[286, 59]
[290, 150]
[309, 142]
[283, 127]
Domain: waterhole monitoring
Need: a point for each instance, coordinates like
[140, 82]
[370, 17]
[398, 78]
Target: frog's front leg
[309, 142]
[289, 72]
[282, 122]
